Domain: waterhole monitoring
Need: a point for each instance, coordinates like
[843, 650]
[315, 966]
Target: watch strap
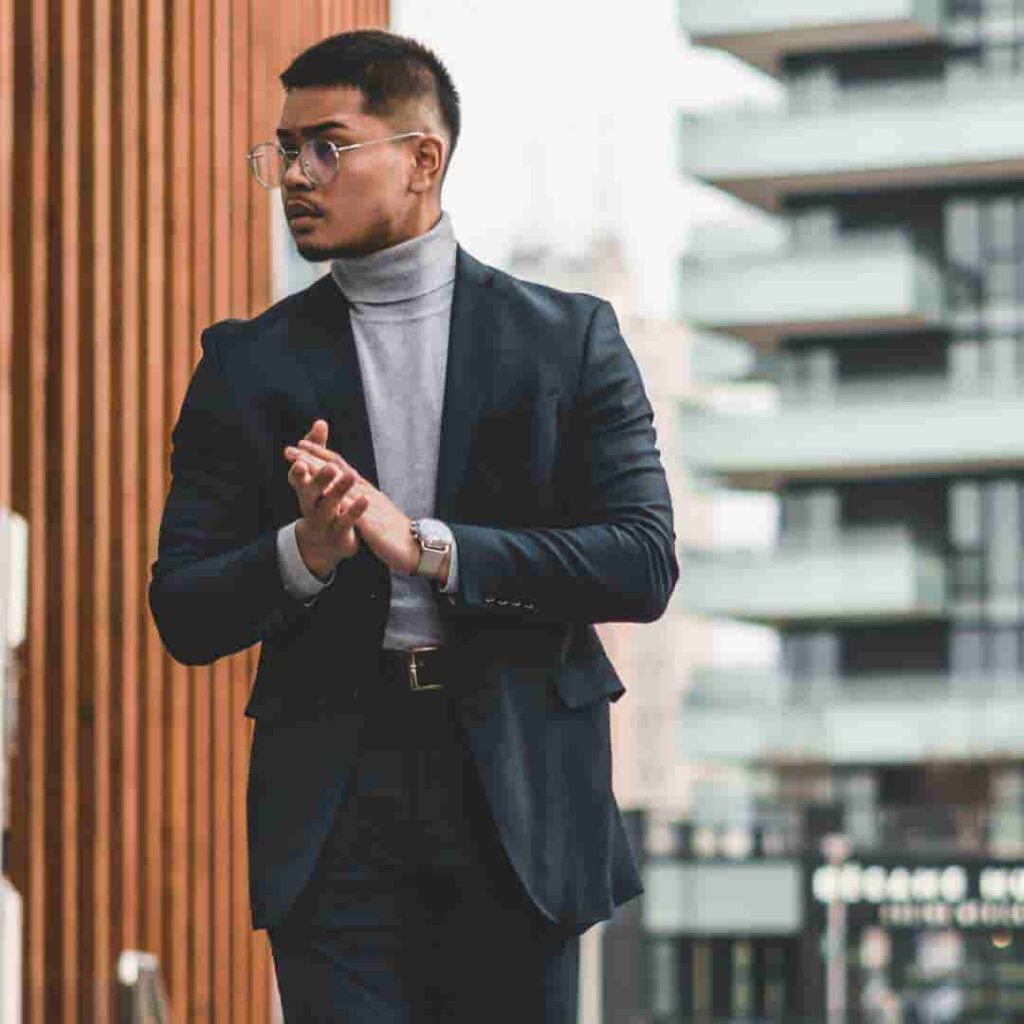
[432, 557]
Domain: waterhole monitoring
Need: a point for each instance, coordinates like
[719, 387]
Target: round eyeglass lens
[268, 164]
[319, 160]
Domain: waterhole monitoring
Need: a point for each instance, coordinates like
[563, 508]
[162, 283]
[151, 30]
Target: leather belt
[417, 669]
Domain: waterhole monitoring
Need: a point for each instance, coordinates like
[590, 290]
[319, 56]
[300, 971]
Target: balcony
[759, 33]
[765, 717]
[714, 358]
[777, 830]
[895, 429]
[874, 575]
[947, 132]
[722, 899]
[809, 292]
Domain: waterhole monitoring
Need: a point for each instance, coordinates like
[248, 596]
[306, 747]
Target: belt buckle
[414, 681]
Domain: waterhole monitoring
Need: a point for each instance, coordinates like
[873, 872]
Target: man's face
[363, 208]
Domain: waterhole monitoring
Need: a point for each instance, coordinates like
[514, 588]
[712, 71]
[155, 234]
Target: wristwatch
[435, 540]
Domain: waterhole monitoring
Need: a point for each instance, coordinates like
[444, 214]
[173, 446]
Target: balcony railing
[951, 131]
[755, 688]
[761, 32]
[801, 291]
[730, 715]
[916, 829]
[897, 427]
[714, 358]
[881, 574]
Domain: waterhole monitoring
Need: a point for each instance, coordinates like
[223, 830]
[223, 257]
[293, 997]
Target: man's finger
[299, 475]
[309, 486]
[299, 454]
[327, 497]
[341, 483]
[348, 518]
[325, 475]
[318, 432]
[320, 452]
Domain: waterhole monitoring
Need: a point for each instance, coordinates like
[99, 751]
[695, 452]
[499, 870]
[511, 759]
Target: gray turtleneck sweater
[400, 306]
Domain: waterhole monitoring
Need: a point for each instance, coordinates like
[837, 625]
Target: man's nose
[295, 176]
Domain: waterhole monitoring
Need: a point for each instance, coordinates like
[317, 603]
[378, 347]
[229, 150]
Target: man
[418, 483]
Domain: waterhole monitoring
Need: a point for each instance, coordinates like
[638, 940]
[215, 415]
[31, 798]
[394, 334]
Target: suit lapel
[473, 351]
[323, 343]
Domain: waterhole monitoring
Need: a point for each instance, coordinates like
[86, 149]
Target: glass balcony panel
[722, 899]
[714, 358]
[751, 717]
[853, 288]
[759, 32]
[952, 131]
[903, 429]
[874, 575]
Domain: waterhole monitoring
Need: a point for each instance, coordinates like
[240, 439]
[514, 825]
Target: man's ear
[430, 156]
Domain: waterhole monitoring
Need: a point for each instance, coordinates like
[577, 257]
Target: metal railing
[817, 100]
[914, 829]
[753, 688]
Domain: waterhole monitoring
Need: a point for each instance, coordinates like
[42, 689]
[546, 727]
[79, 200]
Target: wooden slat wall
[127, 224]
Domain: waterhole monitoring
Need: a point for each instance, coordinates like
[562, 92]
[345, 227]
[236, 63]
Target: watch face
[432, 532]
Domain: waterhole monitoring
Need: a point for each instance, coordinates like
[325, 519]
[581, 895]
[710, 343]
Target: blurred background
[809, 218]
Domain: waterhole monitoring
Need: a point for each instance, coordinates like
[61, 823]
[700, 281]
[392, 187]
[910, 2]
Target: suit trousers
[413, 913]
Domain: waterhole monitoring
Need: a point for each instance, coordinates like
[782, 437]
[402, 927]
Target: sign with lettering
[894, 893]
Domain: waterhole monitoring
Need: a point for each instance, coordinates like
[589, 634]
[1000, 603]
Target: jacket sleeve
[216, 585]
[616, 561]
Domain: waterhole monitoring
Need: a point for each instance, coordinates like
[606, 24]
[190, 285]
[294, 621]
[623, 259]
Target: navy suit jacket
[550, 479]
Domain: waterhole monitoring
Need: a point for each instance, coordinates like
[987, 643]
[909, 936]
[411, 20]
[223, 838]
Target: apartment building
[872, 868]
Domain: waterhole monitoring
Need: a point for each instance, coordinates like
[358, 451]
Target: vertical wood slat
[29, 493]
[68, 461]
[99, 891]
[242, 297]
[135, 226]
[263, 65]
[178, 142]
[128, 327]
[224, 255]
[153, 434]
[199, 737]
[6, 261]
[6, 232]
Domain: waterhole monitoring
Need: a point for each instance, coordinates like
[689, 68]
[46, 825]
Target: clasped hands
[340, 510]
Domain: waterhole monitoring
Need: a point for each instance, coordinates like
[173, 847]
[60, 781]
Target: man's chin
[318, 252]
[312, 251]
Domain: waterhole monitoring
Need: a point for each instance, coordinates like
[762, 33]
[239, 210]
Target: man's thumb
[318, 432]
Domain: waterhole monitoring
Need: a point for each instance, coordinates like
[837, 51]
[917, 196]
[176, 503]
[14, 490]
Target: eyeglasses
[318, 158]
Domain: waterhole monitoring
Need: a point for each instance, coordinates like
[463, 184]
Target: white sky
[570, 113]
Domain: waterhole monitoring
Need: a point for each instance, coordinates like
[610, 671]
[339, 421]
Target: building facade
[890, 328]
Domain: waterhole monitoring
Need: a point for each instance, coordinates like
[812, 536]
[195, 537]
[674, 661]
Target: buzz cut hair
[389, 70]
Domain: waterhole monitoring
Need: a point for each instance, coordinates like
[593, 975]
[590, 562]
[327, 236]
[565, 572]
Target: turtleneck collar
[409, 269]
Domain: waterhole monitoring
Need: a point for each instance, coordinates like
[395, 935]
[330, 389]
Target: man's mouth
[299, 211]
